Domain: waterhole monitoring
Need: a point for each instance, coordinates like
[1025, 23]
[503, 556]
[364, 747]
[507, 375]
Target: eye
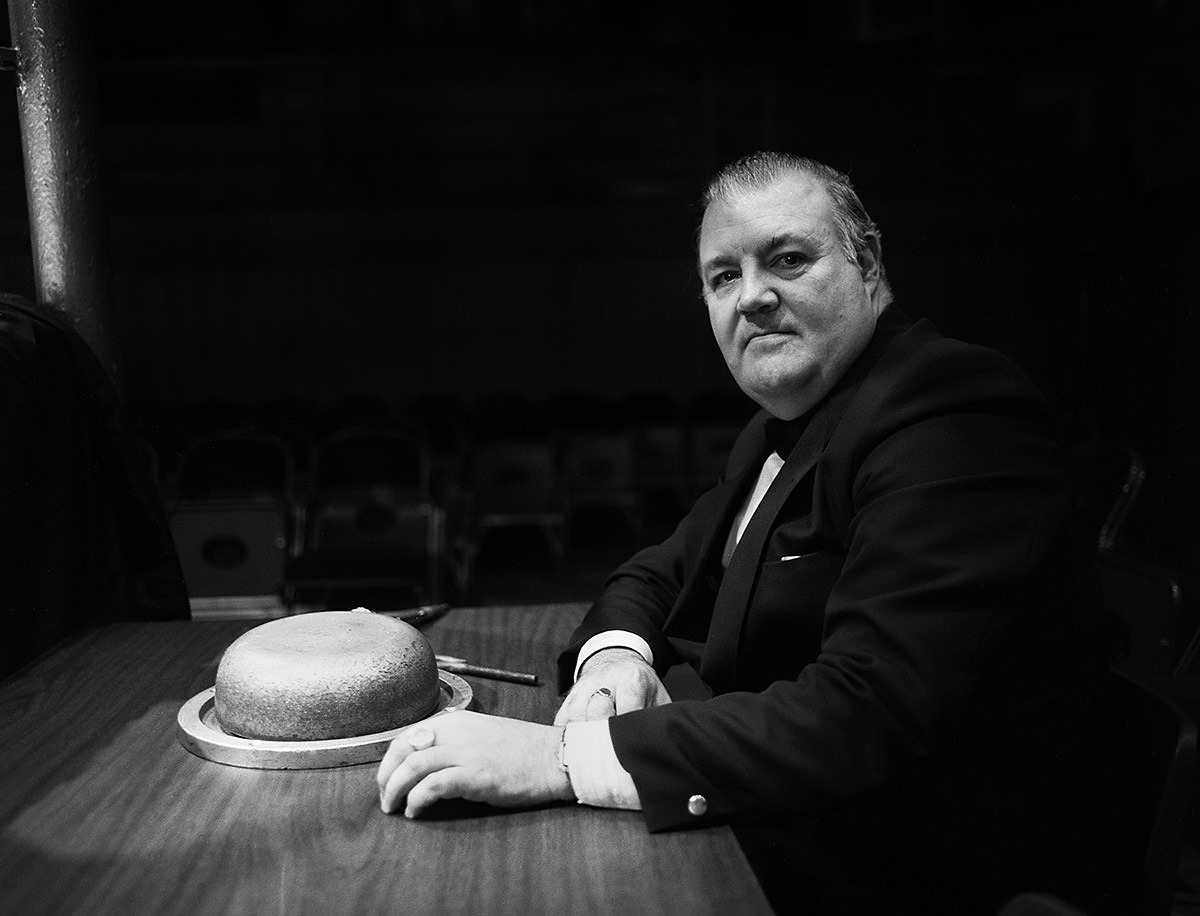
[791, 259]
[723, 278]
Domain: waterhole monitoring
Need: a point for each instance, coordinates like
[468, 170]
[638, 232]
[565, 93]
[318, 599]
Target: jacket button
[698, 805]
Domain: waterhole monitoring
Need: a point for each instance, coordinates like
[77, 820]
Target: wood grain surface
[102, 811]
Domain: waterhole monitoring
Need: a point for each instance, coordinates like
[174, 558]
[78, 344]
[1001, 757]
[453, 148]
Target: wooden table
[102, 811]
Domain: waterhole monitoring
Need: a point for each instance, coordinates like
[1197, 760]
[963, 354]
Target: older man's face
[789, 311]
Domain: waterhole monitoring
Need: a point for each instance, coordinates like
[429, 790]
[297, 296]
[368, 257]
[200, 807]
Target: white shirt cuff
[613, 639]
[597, 777]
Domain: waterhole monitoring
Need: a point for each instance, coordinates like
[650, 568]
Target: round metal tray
[201, 733]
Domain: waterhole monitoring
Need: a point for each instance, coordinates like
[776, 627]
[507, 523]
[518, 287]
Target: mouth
[766, 337]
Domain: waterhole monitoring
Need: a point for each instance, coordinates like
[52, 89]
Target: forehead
[794, 205]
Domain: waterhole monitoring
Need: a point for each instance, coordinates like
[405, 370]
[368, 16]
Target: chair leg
[556, 540]
[462, 564]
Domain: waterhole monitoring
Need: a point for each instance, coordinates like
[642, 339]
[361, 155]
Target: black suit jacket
[907, 609]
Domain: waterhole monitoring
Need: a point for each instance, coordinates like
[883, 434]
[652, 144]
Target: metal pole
[57, 113]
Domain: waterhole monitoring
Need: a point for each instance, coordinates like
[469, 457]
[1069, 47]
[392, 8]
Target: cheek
[837, 309]
[723, 322]
[846, 333]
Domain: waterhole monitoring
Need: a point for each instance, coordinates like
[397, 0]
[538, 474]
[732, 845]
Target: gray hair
[762, 168]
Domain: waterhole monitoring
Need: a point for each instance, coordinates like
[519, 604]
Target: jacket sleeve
[640, 594]
[950, 498]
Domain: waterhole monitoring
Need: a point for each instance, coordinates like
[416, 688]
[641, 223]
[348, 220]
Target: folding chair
[371, 524]
[234, 522]
[512, 484]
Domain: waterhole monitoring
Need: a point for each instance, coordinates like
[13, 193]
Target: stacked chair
[373, 531]
[660, 447]
[446, 422]
[512, 480]
[233, 520]
[597, 459]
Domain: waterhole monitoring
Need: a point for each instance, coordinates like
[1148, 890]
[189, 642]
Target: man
[884, 600]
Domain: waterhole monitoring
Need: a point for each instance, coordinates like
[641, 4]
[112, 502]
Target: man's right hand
[611, 682]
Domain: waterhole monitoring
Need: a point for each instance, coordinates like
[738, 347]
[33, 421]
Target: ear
[870, 262]
[870, 257]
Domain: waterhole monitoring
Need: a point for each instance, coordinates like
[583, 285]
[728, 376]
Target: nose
[757, 294]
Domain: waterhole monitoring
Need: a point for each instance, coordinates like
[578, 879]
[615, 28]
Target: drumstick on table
[459, 666]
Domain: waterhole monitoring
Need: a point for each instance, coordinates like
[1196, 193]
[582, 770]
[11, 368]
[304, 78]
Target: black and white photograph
[607, 458]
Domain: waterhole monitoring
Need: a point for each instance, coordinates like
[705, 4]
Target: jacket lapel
[718, 667]
[692, 613]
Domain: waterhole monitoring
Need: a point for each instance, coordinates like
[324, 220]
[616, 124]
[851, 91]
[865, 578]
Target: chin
[786, 398]
[778, 405]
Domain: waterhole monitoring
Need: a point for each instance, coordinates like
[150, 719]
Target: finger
[600, 706]
[628, 698]
[415, 738]
[573, 709]
[415, 767]
[396, 753]
[574, 706]
[447, 783]
[645, 692]
[421, 737]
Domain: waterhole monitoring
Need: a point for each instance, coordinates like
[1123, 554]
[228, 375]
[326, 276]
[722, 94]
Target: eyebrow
[804, 240]
[715, 262]
[779, 240]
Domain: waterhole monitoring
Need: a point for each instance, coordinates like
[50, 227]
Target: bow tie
[782, 435]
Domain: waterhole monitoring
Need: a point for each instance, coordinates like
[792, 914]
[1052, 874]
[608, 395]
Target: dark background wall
[471, 197]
